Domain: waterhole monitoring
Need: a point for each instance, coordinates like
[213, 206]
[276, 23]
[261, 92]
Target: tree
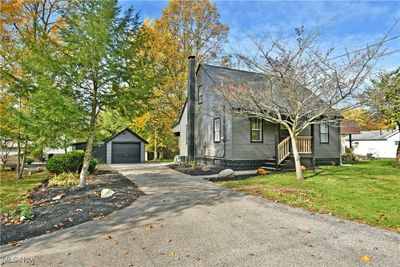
[365, 119]
[298, 86]
[185, 28]
[383, 98]
[27, 27]
[96, 64]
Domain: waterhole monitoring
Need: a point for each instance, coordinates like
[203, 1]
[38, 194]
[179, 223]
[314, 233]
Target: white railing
[304, 144]
[283, 149]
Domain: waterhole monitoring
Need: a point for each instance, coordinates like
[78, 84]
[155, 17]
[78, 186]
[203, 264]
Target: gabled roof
[126, 129]
[115, 135]
[373, 135]
[180, 116]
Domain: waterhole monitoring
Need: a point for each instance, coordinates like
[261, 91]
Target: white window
[256, 130]
[217, 130]
[324, 133]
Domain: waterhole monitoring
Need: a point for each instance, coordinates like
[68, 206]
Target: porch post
[277, 138]
[313, 146]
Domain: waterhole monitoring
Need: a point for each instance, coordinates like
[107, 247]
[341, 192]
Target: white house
[378, 143]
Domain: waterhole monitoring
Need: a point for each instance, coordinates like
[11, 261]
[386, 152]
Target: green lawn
[13, 191]
[368, 192]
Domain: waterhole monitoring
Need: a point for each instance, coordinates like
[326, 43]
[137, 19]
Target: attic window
[200, 94]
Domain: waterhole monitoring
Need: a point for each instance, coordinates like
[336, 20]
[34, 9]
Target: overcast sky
[350, 24]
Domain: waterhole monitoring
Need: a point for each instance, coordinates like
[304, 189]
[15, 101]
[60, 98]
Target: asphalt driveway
[186, 221]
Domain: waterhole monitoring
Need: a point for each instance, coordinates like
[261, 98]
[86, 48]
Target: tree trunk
[297, 163]
[20, 160]
[86, 160]
[155, 157]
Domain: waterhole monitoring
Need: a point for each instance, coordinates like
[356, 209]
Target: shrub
[70, 162]
[29, 161]
[65, 178]
[26, 210]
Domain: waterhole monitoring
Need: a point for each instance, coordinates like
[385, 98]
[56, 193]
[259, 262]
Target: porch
[284, 148]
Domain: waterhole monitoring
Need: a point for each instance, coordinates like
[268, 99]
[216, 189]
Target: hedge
[70, 162]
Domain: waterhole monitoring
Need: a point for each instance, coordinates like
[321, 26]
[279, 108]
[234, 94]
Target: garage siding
[125, 136]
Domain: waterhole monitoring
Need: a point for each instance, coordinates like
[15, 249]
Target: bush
[26, 210]
[70, 162]
[29, 161]
[65, 178]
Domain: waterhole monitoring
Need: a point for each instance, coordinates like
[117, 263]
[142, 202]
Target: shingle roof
[373, 135]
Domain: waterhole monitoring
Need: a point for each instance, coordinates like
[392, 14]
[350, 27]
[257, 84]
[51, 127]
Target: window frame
[200, 94]
[219, 130]
[321, 133]
[260, 129]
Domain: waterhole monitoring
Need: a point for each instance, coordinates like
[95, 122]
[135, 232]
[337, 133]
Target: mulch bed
[195, 171]
[80, 204]
[236, 178]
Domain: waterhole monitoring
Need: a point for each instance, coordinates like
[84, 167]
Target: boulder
[227, 173]
[39, 169]
[58, 197]
[105, 193]
[206, 168]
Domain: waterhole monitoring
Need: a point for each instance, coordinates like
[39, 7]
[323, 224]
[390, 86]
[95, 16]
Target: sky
[350, 25]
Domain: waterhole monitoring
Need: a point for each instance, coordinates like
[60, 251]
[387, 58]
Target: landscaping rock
[105, 193]
[39, 169]
[226, 173]
[206, 168]
[58, 197]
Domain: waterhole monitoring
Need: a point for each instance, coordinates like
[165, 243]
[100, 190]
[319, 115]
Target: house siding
[330, 150]
[205, 114]
[244, 149]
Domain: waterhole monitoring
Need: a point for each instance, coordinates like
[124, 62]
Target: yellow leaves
[366, 258]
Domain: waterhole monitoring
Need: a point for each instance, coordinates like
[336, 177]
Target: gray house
[215, 137]
[124, 147]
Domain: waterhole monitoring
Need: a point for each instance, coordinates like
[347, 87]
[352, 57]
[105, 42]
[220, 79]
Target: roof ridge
[226, 68]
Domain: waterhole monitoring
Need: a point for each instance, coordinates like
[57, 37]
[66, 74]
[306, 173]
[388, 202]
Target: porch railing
[283, 149]
[304, 146]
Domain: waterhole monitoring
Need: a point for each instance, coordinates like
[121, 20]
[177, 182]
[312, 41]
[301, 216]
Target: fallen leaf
[197, 258]
[170, 240]
[98, 254]
[172, 254]
[68, 253]
[252, 254]
[14, 244]
[366, 258]
[107, 237]
[70, 219]
[116, 242]
[149, 227]
[79, 210]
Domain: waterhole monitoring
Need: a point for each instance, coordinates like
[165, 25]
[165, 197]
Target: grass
[368, 192]
[13, 192]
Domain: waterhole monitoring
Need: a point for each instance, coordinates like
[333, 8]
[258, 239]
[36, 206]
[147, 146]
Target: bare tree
[301, 85]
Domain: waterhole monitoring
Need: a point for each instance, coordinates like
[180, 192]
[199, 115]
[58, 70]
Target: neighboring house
[347, 129]
[124, 147]
[213, 136]
[378, 143]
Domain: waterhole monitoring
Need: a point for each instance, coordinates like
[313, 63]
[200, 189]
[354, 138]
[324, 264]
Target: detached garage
[124, 147]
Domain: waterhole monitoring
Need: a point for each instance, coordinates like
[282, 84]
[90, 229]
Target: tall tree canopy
[383, 98]
[97, 66]
[185, 28]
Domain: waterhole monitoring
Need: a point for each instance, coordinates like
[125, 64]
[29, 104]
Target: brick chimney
[191, 99]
